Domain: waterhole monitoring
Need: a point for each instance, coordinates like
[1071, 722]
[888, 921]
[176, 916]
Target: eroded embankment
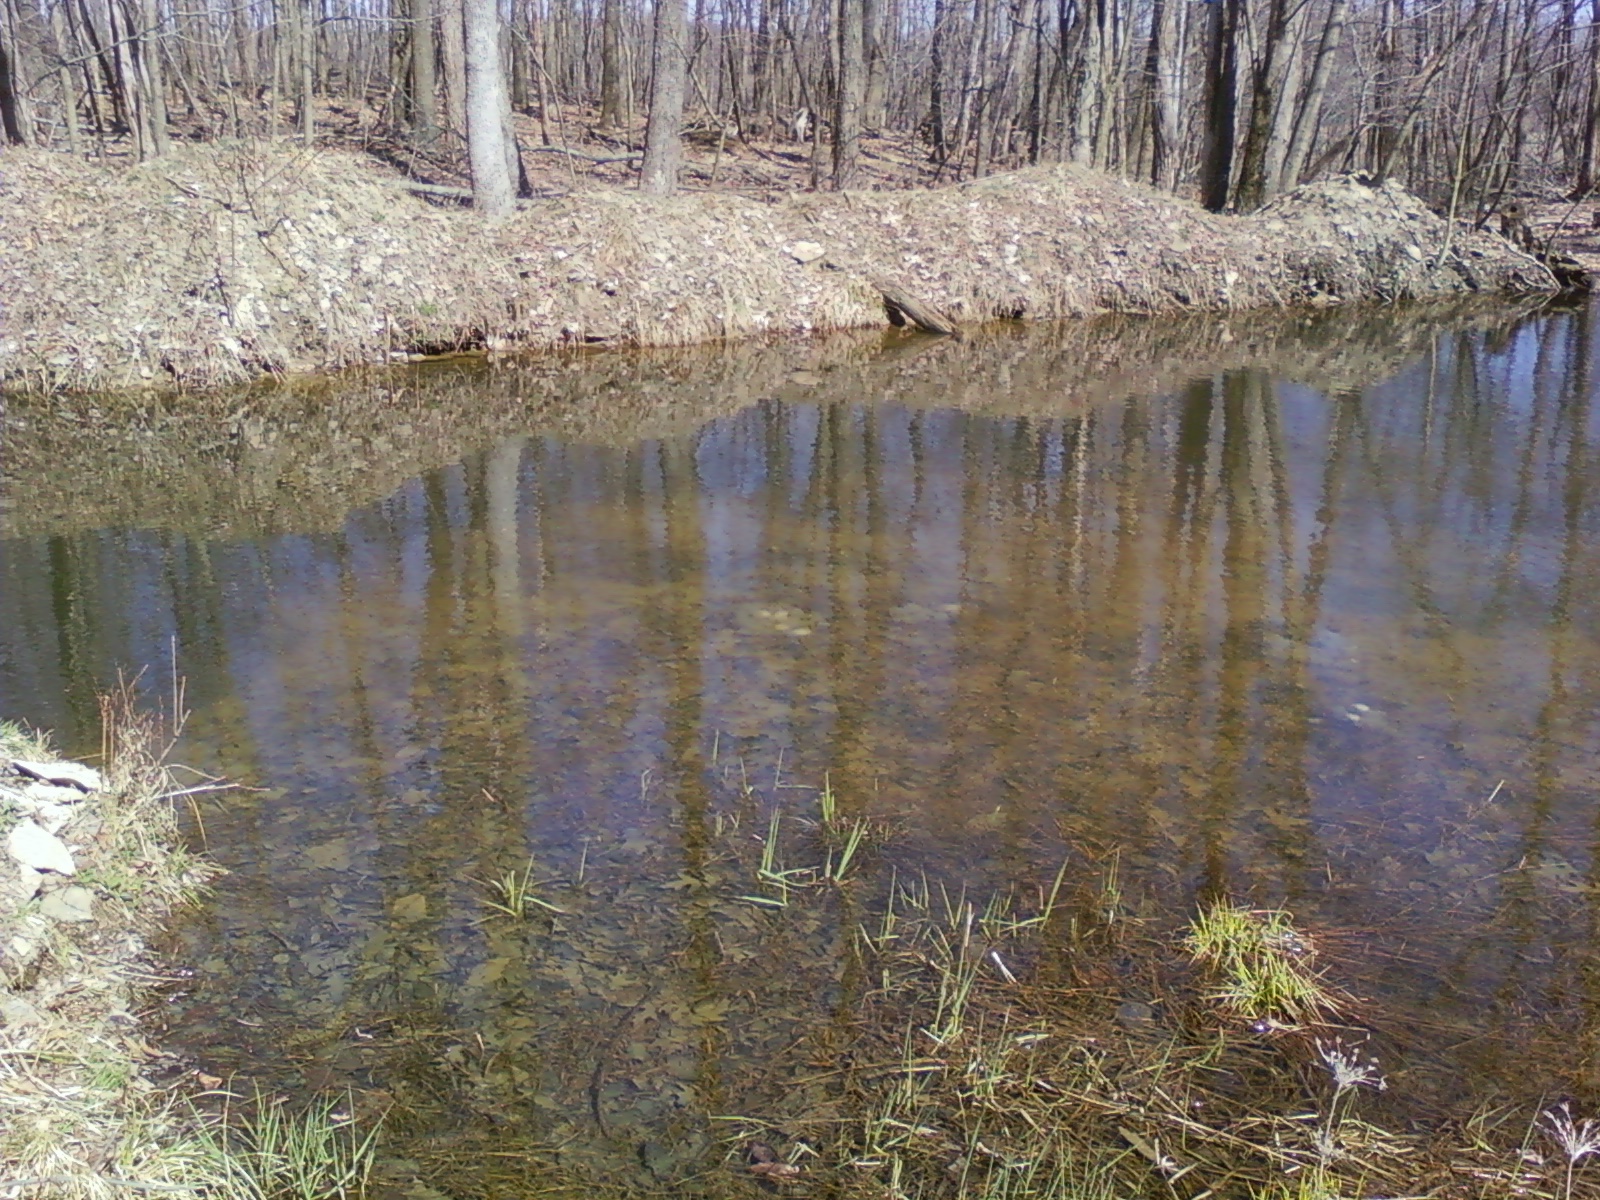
[219, 264]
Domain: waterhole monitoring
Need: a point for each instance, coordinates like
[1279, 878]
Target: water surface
[1298, 609]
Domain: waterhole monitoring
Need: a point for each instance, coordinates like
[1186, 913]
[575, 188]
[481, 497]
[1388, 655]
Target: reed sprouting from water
[1263, 968]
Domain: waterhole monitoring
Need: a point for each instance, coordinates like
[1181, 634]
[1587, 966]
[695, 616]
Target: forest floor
[229, 261]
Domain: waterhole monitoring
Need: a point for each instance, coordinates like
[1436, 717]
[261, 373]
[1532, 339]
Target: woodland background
[1467, 102]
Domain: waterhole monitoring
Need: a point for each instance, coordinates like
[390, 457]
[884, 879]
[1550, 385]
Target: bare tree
[1222, 104]
[611, 108]
[424, 78]
[663, 148]
[850, 93]
[487, 106]
[11, 127]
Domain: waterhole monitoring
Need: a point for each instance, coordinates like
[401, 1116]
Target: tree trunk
[663, 148]
[69, 93]
[1266, 93]
[1165, 68]
[487, 106]
[451, 28]
[1222, 99]
[875, 98]
[1589, 149]
[424, 79]
[1309, 116]
[611, 65]
[941, 149]
[11, 127]
[1090, 100]
[307, 53]
[850, 94]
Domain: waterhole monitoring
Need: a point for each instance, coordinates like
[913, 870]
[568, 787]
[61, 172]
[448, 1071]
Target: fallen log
[902, 306]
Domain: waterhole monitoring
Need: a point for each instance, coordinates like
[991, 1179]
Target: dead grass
[82, 1118]
[997, 1062]
[226, 262]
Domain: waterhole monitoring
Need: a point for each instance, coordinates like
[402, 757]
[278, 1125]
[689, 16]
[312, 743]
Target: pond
[1300, 609]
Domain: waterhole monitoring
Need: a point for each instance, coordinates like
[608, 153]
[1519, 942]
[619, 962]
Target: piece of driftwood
[902, 306]
[461, 193]
[594, 158]
[434, 189]
[1571, 274]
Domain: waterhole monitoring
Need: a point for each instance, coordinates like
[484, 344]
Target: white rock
[35, 847]
[24, 885]
[50, 793]
[804, 252]
[15, 1012]
[63, 774]
[52, 818]
[69, 904]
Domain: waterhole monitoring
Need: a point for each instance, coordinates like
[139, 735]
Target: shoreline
[93, 870]
[94, 867]
[228, 264]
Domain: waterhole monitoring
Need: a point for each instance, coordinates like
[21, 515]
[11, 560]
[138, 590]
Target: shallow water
[1299, 609]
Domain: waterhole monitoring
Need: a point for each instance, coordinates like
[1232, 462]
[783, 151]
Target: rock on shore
[219, 264]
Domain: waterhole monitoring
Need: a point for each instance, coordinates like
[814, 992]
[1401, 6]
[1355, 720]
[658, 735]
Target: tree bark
[1309, 116]
[451, 27]
[1165, 68]
[875, 98]
[1589, 148]
[663, 148]
[1266, 93]
[424, 76]
[306, 51]
[850, 93]
[611, 65]
[1222, 99]
[10, 120]
[487, 106]
[941, 149]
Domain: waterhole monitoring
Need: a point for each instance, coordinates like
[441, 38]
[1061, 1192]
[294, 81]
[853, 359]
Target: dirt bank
[89, 868]
[220, 264]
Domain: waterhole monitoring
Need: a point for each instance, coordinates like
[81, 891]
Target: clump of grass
[319, 1153]
[1265, 968]
[844, 837]
[513, 895]
[844, 841]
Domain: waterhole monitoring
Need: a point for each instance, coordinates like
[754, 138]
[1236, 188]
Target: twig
[137, 1185]
[594, 158]
[460, 193]
[203, 787]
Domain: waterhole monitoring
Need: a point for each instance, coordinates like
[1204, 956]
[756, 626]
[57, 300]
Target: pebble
[1135, 1015]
